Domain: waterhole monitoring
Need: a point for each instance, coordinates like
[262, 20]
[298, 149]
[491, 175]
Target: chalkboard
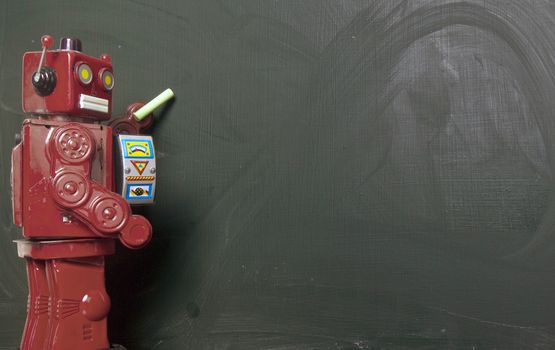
[332, 174]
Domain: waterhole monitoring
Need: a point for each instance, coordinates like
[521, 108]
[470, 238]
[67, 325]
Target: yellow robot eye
[107, 79]
[84, 73]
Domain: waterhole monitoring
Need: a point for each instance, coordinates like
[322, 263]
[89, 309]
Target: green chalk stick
[153, 104]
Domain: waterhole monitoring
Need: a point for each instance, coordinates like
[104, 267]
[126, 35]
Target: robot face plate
[82, 85]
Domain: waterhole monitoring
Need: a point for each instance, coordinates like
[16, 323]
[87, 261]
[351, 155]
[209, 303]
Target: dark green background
[332, 174]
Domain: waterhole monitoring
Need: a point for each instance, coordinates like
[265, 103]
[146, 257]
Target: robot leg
[35, 332]
[79, 304]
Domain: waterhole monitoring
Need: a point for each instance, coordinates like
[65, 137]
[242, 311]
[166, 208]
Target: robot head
[67, 82]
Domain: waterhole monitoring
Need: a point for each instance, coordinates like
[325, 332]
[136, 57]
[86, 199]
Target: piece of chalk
[156, 102]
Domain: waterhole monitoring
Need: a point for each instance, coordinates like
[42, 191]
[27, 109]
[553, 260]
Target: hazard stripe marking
[139, 178]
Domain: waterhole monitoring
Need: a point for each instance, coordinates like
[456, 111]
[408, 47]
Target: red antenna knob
[44, 80]
[46, 41]
[106, 58]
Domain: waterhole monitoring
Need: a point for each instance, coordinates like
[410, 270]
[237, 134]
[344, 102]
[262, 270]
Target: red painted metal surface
[68, 303]
[41, 215]
[67, 248]
[16, 182]
[79, 304]
[36, 327]
[127, 124]
[62, 195]
[64, 100]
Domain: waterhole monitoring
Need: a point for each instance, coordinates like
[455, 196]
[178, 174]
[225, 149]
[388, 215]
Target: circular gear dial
[74, 144]
[109, 214]
[71, 189]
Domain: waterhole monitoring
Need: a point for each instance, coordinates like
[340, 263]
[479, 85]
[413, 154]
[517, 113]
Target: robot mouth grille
[92, 103]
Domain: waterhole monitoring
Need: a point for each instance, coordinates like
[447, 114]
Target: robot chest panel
[41, 216]
[136, 180]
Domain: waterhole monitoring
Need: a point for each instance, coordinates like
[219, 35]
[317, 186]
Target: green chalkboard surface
[331, 175]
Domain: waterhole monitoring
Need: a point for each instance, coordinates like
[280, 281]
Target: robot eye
[107, 79]
[84, 73]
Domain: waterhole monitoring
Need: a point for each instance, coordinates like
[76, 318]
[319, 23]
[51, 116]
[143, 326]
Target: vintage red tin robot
[68, 199]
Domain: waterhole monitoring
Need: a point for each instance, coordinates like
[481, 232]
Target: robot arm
[139, 115]
[136, 156]
[71, 148]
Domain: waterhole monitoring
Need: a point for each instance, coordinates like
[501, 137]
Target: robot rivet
[109, 213]
[70, 187]
[152, 170]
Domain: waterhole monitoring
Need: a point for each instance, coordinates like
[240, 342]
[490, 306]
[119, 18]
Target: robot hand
[139, 115]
